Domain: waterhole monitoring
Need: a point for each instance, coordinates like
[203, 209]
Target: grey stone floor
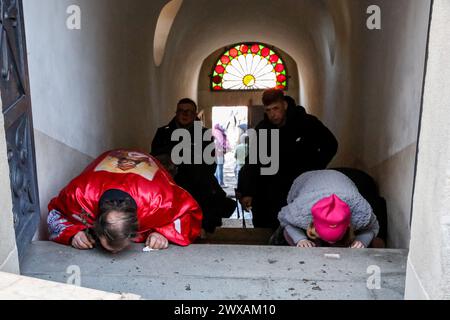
[225, 272]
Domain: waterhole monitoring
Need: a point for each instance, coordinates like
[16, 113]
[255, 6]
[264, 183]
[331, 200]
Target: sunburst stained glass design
[249, 67]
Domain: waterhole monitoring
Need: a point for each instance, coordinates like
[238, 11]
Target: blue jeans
[219, 174]
[237, 168]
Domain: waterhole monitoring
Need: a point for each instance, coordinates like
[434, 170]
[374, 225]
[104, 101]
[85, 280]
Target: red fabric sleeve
[187, 223]
[180, 231]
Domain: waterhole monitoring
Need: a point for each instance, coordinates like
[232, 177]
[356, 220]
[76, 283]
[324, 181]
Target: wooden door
[16, 109]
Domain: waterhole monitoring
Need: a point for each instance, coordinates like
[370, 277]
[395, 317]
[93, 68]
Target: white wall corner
[414, 289]
[11, 263]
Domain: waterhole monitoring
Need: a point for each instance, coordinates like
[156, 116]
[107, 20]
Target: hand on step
[157, 241]
[305, 244]
[83, 241]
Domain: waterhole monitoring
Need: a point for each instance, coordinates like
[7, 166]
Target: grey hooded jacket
[313, 186]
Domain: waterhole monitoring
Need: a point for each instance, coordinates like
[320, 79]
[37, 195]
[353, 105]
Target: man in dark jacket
[305, 144]
[197, 179]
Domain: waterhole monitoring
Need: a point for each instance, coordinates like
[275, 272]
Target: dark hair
[188, 101]
[290, 101]
[271, 96]
[116, 234]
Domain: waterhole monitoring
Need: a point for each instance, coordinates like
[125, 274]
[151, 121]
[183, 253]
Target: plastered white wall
[390, 99]
[163, 28]
[373, 93]
[430, 242]
[92, 89]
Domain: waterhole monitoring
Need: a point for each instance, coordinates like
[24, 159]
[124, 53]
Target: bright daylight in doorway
[232, 121]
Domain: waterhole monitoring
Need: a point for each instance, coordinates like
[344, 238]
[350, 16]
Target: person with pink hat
[325, 208]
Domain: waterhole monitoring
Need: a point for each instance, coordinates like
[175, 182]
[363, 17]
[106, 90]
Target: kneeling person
[124, 196]
[325, 209]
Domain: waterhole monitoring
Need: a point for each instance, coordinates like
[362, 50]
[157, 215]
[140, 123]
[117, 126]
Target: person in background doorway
[197, 179]
[305, 144]
[241, 153]
[325, 208]
[124, 196]
[222, 148]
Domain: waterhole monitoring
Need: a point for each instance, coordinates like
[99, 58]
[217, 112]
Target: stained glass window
[249, 67]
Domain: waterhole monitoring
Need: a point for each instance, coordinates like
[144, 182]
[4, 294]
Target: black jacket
[368, 188]
[305, 144]
[162, 145]
[197, 179]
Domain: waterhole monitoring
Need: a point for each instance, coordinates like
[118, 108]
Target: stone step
[238, 236]
[207, 272]
[237, 223]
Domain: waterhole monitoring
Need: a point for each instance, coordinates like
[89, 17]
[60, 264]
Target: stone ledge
[15, 287]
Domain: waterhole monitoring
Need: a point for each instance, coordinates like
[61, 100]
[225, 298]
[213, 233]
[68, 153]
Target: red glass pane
[220, 69]
[279, 68]
[274, 58]
[244, 48]
[225, 59]
[234, 52]
[217, 79]
[280, 86]
[281, 78]
[217, 88]
[265, 52]
[255, 48]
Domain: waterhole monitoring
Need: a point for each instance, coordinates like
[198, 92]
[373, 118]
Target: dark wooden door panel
[16, 109]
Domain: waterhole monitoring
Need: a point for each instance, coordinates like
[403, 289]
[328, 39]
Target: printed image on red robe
[129, 162]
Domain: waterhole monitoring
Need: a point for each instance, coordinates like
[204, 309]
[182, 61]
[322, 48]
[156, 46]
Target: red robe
[162, 206]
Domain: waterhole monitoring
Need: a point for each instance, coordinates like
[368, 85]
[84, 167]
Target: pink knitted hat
[331, 218]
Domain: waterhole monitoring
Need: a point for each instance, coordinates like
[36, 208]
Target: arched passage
[350, 76]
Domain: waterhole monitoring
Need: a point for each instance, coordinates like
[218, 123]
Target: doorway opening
[230, 125]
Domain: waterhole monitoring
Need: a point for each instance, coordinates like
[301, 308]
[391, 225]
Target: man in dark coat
[197, 179]
[305, 144]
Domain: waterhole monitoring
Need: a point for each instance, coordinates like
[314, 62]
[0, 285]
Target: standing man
[305, 144]
[197, 179]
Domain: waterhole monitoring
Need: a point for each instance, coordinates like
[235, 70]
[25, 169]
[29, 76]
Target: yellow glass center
[249, 80]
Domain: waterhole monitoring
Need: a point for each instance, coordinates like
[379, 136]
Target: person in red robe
[124, 196]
